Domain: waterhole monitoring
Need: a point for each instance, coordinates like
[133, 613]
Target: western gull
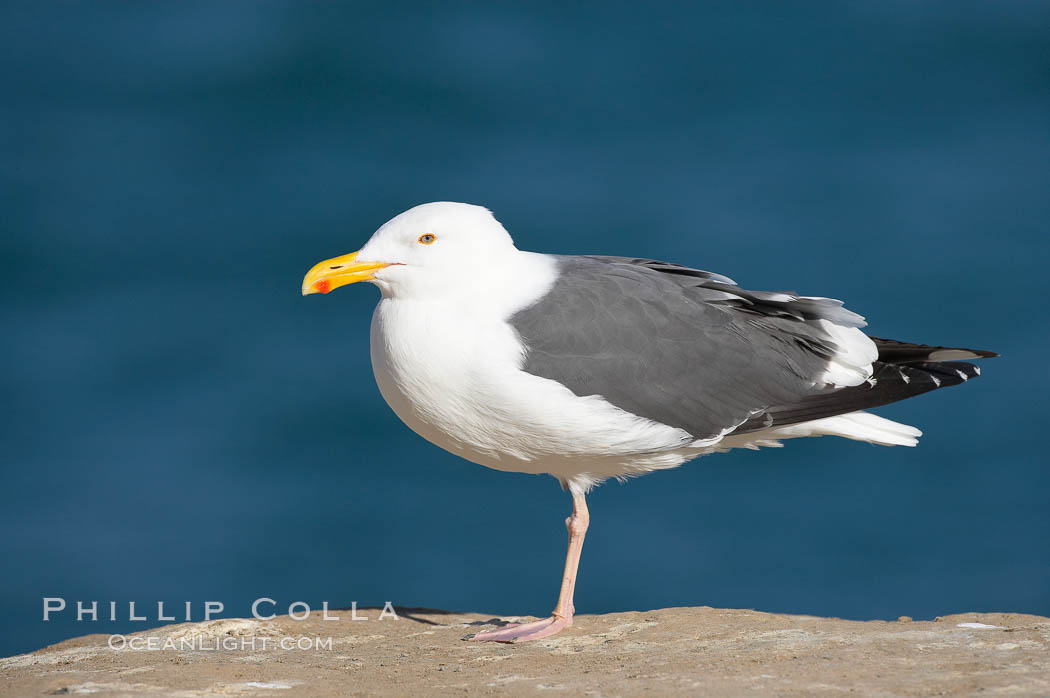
[593, 367]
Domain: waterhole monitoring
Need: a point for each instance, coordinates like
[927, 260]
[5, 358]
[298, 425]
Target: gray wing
[676, 345]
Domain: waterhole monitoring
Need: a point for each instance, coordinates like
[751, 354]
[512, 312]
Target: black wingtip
[891, 382]
[896, 352]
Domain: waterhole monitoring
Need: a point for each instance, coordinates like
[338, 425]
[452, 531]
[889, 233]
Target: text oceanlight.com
[215, 644]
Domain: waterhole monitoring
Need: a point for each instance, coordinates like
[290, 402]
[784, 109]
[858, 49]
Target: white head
[433, 249]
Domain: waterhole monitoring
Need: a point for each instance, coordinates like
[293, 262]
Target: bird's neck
[494, 289]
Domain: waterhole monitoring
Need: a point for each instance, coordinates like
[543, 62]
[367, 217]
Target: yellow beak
[339, 271]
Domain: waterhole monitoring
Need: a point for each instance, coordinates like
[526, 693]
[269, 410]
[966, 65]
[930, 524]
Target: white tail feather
[859, 426]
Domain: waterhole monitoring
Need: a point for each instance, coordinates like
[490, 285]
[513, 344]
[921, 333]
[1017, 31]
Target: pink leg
[561, 618]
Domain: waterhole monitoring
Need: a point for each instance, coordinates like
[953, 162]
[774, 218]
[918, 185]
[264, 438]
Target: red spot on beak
[323, 286]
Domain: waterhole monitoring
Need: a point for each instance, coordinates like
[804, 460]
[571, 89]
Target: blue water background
[179, 424]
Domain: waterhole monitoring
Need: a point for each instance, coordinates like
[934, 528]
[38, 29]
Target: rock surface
[686, 651]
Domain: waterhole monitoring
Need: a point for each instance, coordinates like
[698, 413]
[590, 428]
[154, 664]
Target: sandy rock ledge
[686, 651]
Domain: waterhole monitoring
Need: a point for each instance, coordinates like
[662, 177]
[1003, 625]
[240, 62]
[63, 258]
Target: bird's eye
[426, 239]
